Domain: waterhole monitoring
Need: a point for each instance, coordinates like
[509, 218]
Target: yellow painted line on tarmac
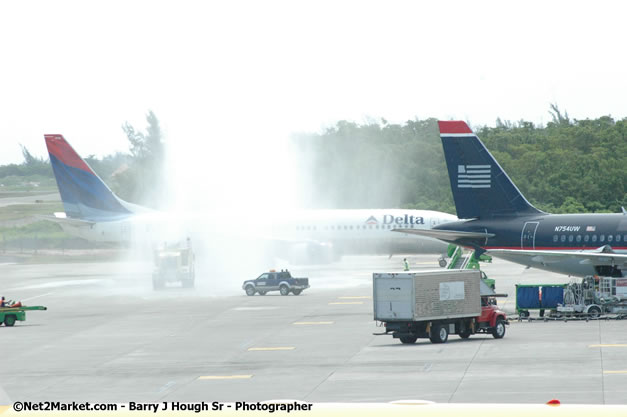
[615, 372]
[225, 377]
[305, 323]
[346, 302]
[614, 345]
[271, 348]
[355, 297]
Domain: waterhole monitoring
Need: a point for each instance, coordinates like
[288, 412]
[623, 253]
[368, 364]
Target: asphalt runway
[107, 336]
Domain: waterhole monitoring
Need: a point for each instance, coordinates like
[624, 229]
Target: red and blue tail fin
[481, 189]
[84, 194]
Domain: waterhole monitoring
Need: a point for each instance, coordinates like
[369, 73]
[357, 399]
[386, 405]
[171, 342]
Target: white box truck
[434, 304]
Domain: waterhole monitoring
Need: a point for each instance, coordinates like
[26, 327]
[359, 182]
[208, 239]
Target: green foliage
[569, 166]
[41, 229]
[29, 175]
[376, 166]
[22, 211]
[143, 181]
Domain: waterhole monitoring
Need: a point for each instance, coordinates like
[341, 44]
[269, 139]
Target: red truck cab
[492, 317]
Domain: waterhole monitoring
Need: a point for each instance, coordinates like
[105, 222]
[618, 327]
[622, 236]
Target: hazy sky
[254, 71]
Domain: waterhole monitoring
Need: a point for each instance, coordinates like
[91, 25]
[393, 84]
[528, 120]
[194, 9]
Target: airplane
[496, 218]
[93, 212]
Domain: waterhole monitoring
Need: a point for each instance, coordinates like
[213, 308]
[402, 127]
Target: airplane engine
[313, 253]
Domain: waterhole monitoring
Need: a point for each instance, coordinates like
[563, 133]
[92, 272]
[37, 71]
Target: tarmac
[107, 336]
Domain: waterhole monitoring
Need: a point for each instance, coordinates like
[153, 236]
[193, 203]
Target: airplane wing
[548, 257]
[446, 235]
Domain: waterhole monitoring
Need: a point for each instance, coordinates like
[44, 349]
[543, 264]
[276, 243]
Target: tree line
[136, 176]
[567, 166]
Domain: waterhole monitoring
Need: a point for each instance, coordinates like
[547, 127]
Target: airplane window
[618, 238]
[345, 227]
[624, 238]
[571, 238]
[594, 238]
[350, 227]
[610, 238]
[314, 227]
[555, 238]
[563, 238]
[586, 238]
[602, 238]
[578, 238]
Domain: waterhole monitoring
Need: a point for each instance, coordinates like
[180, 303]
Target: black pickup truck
[281, 281]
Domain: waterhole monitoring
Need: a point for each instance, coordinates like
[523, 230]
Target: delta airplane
[94, 212]
[495, 217]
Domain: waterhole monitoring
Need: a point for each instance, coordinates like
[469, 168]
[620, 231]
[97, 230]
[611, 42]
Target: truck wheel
[523, 314]
[297, 292]
[499, 329]
[250, 290]
[442, 262]
[594, 312]
[408, 339]
[439, 334]
[261, 292]
[157, 284]
[9, 320]
[465, 334]
[284, 289]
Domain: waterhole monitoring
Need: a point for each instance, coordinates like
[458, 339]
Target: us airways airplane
[495, 217]
[94, 212]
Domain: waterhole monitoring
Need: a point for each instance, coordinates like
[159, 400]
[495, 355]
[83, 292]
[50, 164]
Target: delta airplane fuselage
[95, 213]
[346, 231]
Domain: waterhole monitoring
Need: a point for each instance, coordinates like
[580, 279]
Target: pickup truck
[281, 281]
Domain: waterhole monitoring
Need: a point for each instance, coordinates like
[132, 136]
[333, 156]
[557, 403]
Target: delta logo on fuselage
[389, 219]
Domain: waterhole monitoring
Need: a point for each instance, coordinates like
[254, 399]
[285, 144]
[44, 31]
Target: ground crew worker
[2, 302]
[406, 264]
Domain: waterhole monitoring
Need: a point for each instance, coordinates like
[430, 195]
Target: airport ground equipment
[174, 263]
[593, 296]
[539, 297]
[9, 315]
[434, 304]
[451, 250]
[459, 260]
[281, 281]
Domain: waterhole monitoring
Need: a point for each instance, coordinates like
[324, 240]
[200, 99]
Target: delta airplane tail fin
[85, 196]
[481, 189]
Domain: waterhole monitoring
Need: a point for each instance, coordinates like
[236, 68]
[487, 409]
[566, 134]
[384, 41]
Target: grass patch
[22, 211]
